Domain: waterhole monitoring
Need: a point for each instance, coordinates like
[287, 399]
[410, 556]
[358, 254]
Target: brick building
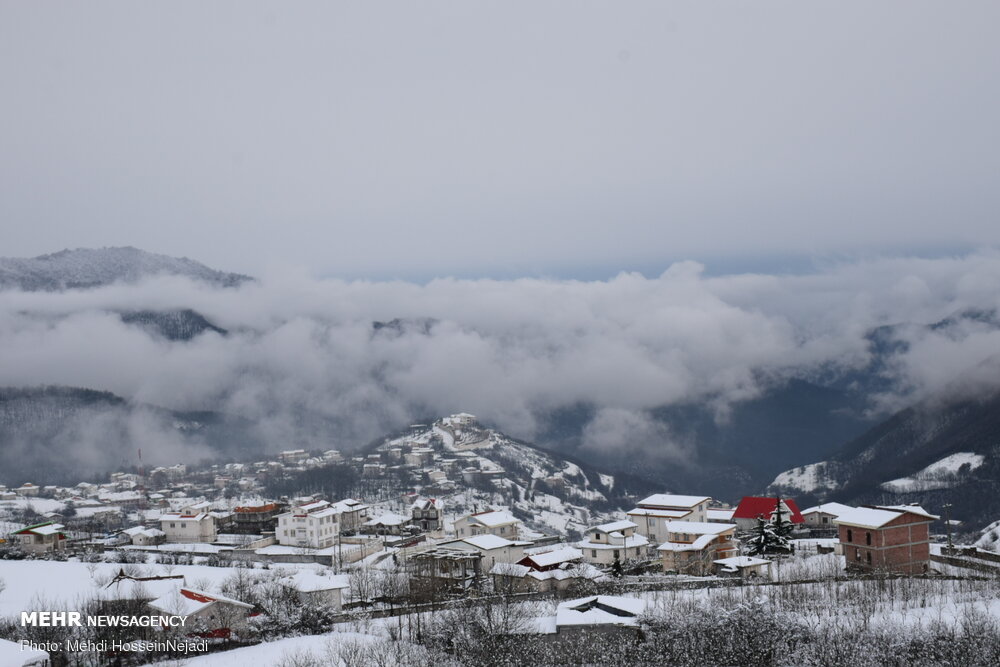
[889, 539]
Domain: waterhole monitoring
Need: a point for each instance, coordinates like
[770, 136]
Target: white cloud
[302, 349]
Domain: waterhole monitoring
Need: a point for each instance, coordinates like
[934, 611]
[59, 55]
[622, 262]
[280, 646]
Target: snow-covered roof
[668, 500]
[387, 519]
[699, 527]
[13, 654]
[135, 589]
[494, 518]
[510, 569]
[630, 542]
[484, 542]
[48, 529]
[719, 514]
[614, 526]
[555, 556]
[734, 563]
[836, 509]
[600, 610]
[140, 530]
[912, 509]
[867, 517]
[700, 543]
[426, 503]
[314, 506]
[185, 601]
[177, 516]
[658, 513]
[310, 581]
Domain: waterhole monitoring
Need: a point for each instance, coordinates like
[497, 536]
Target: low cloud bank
[303, 360]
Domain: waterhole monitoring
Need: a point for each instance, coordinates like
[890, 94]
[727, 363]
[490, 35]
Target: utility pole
[947, 525]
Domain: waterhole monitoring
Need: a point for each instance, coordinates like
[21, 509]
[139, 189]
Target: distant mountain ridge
[85, 268]
[53, 434]
[935, 453]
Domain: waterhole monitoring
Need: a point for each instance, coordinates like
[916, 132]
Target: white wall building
[495, 522]
[188, 527]
[651, 513]
[314, 525]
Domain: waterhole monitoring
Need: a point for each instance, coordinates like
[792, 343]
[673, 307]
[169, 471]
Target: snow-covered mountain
[95, 267]
[473, 468]
[935, 453]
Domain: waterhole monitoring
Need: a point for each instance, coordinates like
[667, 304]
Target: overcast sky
[568, 139]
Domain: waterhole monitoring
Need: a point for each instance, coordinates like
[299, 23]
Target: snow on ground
[939, 475]
[274, 653]
[40, 505]
[807, 478]
[990, 537]
[69, 583]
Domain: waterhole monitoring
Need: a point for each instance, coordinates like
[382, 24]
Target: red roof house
[753, 507]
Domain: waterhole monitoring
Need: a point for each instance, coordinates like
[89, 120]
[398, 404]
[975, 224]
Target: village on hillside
[211, 545]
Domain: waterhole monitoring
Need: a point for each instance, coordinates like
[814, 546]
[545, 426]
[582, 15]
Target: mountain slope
[934, 453]
[548, 492]
[182, 324]
[97, 267]
[793, 422]
[54, 435]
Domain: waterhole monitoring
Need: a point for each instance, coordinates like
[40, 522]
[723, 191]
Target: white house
[493, 548]
[352, 513]
[823, 516]
[142, 537]
[610, 541]
[41, 537]
[494, 522]
[691, 546]
[745, 567]
[188, 527]
[315, 587]
[314, 525]
[387, 523]
[652, 512]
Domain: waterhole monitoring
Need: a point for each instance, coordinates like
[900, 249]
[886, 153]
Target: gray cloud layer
[498, 139]
[504, 350]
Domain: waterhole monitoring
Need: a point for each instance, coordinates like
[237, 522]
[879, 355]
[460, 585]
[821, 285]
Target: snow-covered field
[40, 584]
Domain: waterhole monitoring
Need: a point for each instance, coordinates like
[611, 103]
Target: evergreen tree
[782, 526]
[764, 539]
[616, 568]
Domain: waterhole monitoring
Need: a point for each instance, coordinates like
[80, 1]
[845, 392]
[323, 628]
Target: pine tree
[782, 527]
[769, 537]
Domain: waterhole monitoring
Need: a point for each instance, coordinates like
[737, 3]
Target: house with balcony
[313, 525]
[651, 512]
[692, 546]
[493, 522]
[608, 542]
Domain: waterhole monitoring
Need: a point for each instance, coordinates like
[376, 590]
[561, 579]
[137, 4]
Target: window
[857, 554]
[616, 553]
[651, 522]
[868, 556]
[593, 553]
[826, 519]
[868, 539]
[850, 535]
